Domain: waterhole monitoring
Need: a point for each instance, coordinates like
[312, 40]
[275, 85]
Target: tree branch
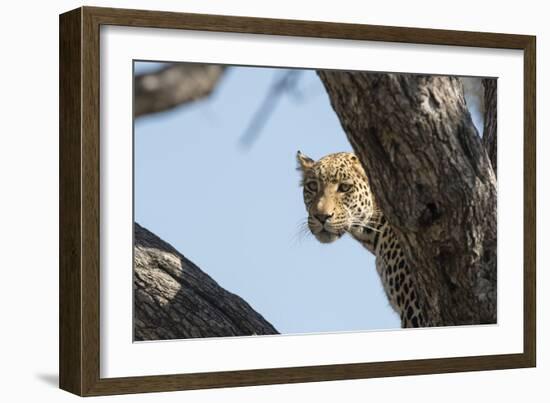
[432, 180]
[283, 83]
[174, 299]
[174, 85]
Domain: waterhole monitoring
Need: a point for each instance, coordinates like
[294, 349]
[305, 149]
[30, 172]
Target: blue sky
[236, 211]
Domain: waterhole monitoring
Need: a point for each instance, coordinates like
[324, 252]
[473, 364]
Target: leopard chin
[325, 236]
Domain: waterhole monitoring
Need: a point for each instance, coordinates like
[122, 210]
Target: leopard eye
[312, 186]
[344, 187]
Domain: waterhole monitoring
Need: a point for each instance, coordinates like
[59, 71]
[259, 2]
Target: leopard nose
[322, 217]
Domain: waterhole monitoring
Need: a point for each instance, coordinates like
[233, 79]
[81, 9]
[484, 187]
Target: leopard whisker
[358, 223]
[302, 232]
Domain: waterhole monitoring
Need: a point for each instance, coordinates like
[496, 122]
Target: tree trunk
[490, 121]
[433, 181]
[174, 299]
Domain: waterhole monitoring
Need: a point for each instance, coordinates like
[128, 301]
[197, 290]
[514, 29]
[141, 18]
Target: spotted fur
[339, 200]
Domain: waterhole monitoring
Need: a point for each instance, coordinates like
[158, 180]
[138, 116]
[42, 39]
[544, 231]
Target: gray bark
[490, 121]
[174, 299]
[433, 181]
[174, 85]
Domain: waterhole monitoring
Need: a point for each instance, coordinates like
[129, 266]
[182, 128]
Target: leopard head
[336, 194]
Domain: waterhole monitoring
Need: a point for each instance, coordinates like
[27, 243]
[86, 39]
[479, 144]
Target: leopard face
[337, 196]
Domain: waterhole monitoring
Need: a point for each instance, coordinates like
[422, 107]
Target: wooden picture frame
[79, 201]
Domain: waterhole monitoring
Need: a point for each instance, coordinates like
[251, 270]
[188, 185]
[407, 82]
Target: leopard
[339, 200]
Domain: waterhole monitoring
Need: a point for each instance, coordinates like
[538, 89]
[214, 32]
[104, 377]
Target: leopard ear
[304, 162]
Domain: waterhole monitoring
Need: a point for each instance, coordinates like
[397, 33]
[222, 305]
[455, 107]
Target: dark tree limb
[174, 299]
[433, 180]
[174, 85]
[490, 120]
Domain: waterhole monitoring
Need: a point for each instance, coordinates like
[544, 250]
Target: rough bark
[174, 299]
[174, 85]
[490, 120]
[433, 180]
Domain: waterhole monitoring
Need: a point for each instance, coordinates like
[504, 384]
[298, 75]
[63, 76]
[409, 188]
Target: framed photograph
[249, 201]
